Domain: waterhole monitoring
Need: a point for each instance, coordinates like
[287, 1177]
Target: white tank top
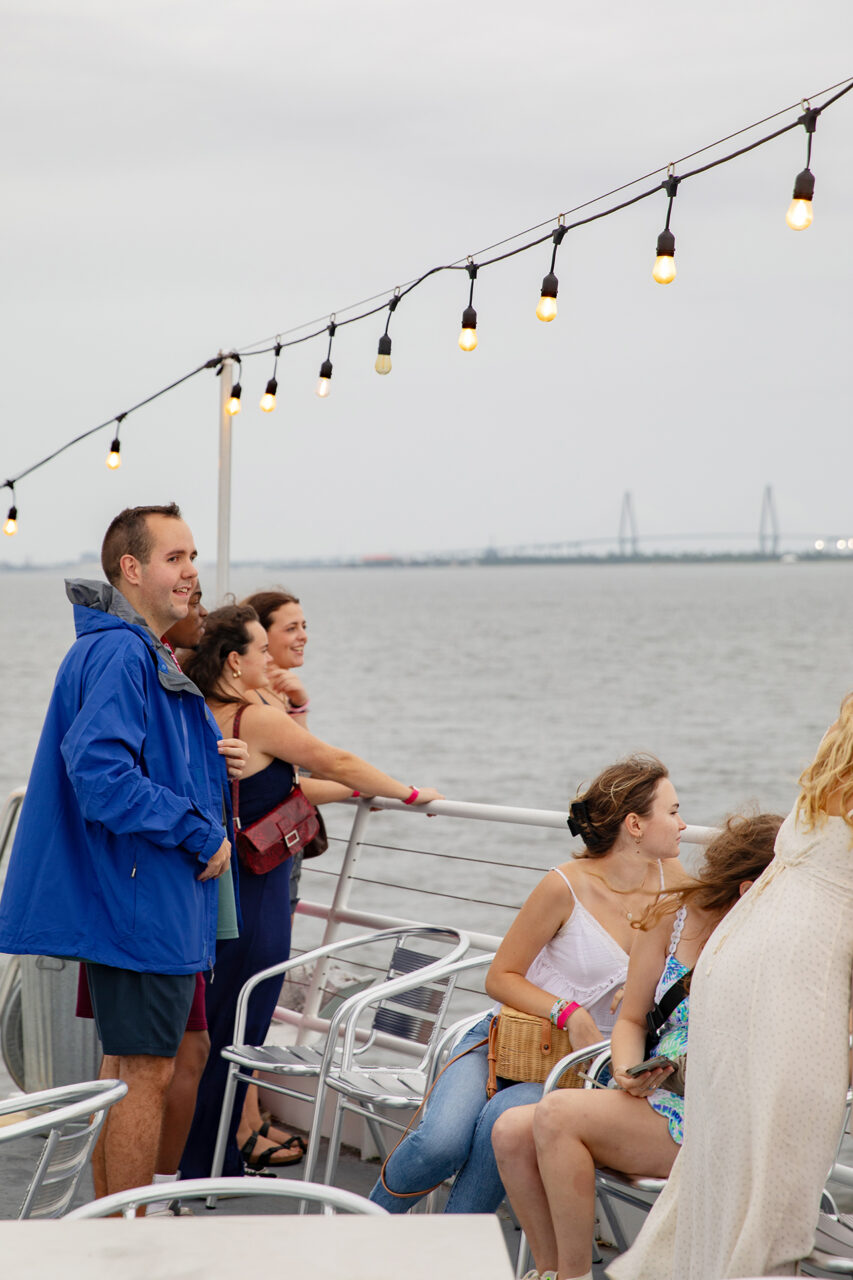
[583, 962]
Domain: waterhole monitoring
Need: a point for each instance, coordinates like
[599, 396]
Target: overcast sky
[182, 177]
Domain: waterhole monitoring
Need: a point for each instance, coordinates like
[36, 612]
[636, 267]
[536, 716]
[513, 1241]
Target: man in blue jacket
[124, 828]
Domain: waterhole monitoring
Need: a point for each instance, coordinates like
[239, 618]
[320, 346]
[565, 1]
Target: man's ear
[130, 569]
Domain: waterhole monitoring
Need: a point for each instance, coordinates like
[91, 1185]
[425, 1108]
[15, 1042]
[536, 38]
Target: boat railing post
[223, 528]
[340, 901]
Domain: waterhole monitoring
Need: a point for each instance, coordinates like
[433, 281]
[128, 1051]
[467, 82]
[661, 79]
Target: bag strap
[235, 782]
[669, 1002]
[408, 1195]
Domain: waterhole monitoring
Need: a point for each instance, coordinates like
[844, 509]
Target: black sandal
[265, 1159]
[293, 1143]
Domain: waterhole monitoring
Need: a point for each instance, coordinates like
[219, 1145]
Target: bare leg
[180, 1100]
[126, 1151]
[514, 1147]
[576, 1129]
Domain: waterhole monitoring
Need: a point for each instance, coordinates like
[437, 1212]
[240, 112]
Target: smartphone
[651, 1064]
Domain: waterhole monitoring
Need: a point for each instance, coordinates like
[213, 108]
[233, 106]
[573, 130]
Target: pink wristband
[566, 1013]
[355, 795]
[413, 797]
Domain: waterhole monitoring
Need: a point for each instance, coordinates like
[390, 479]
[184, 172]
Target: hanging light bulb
[468, 336]
[800, 214]
[10, 527]
[383, 358]
[547, 308]
[268, 398]
[324, 380]
[114, 455]
[232, 404]
[664, 269]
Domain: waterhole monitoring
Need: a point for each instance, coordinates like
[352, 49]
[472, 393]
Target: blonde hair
[830, 772]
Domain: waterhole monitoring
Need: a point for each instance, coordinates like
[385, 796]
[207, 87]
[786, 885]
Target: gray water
[512, 685]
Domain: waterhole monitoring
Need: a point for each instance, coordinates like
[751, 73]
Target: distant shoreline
[486, 560]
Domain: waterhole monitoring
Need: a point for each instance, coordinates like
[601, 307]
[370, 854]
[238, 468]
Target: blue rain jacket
[127, 800]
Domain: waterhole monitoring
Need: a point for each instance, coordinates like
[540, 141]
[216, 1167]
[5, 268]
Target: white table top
[419, 1247]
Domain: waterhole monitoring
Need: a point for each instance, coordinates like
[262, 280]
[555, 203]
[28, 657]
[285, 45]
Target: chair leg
[222, 1131]
[334, 1140]
[314, 1137]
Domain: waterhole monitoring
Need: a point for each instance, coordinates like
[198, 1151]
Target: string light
[324, 380]
[547, 308]
[10, 527]
[268, 398]
[114, 455]
[383, 357]
[468, 336]
[232, 404]
[664, 268]
[799, 215]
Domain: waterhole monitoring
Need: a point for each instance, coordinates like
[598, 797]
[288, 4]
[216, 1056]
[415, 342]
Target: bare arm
[540, 918]
[268, 731]
[648, 957]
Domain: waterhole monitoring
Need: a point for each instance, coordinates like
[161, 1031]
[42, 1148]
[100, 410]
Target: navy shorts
[140, 1012]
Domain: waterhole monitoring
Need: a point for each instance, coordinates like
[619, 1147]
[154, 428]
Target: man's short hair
[129, 535]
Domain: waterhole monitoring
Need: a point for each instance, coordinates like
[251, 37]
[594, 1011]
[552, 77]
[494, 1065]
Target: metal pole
[223, 533]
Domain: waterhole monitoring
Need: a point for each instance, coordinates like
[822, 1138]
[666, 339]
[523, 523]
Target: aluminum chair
[832, 1254]
[402, 1011]
[369, 1089]
[70, 1117]
[127, 1202]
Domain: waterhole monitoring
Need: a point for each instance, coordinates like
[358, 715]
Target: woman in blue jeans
[564, 957]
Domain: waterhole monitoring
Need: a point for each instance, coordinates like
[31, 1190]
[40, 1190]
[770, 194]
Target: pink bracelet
[565, 1014]
[413, 797]
[355, 795]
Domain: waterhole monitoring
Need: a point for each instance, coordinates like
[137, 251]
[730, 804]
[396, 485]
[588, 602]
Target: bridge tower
[768, 526]
[628, 536]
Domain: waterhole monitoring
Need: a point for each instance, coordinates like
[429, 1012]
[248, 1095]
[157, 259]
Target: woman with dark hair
[565, 957]
[547, 1153]
[230, 668]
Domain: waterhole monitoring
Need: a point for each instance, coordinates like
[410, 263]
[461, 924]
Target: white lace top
[583, 962]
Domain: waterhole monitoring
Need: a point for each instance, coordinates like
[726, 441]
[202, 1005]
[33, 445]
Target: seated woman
[229, 667]
[547, 1154]
[565, 956]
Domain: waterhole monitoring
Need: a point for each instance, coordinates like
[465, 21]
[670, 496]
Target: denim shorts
[140, 1013]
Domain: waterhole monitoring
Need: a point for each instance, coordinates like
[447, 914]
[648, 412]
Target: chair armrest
[576, 1059]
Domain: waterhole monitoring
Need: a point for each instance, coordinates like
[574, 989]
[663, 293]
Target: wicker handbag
[525, 1047]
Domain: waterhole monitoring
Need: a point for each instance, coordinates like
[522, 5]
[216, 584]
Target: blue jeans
[455, 1136]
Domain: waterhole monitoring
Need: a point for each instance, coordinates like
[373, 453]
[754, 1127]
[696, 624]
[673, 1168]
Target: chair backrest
[70, 1118]
[414, 1014]
[126, 1202]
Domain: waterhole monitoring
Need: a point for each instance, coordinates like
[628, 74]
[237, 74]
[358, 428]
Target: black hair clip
[578, 818]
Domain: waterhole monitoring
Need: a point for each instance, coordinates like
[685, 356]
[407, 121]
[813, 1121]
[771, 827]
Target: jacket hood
[98, 606]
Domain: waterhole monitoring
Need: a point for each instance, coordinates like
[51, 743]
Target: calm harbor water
[511, 685]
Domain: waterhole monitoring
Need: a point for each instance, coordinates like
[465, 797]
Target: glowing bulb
[547, 308]
[325, 378]
[664, 268]
[468, 336]
[799, 215]
[10, 528]
[268, 398]
[232, 404]
[114, 455]
[383, 359]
